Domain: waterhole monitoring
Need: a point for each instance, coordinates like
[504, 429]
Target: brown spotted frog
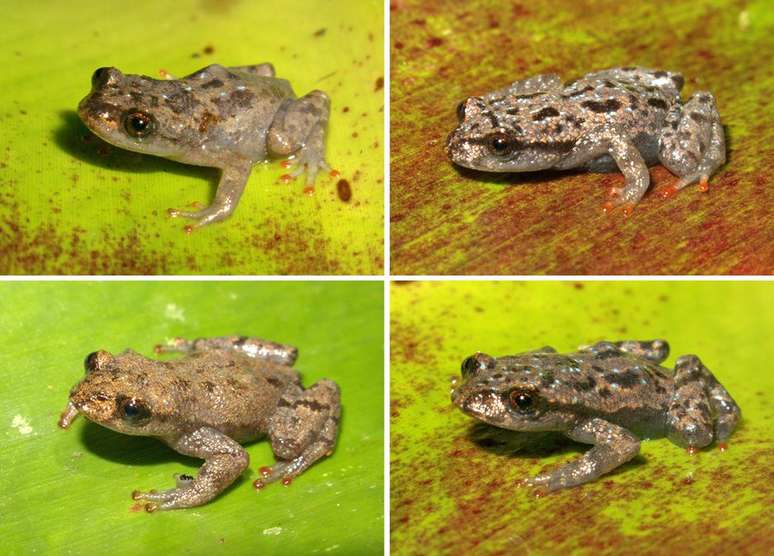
[609, 395]
[223, 392]
[224, 117]
[621, 118]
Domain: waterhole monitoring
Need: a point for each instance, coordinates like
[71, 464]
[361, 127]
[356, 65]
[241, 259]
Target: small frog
[227, 118]
[620, 118]
[224, 392]
[609, 395]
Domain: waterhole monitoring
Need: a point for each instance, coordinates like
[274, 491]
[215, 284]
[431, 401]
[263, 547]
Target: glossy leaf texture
[68, 491]
[454, 486]
[72, 204]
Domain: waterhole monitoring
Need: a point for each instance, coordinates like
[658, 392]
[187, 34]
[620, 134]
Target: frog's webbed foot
[693, 144]
[698, 400]
[299, 130]
[303, 429]
[613, 446]
[232, 184]
[282, 354]
[224, 461]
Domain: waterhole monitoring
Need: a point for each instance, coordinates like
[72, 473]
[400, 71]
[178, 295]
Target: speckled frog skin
[225, 391]
[227, 118]
[620, 118]
[609, 395]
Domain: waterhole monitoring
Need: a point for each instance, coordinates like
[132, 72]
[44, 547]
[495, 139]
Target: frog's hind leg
[303, 429]
[698, 400]
[693, 144]
[263, 70]
[253, 347]
[652, 350]
[299, 129]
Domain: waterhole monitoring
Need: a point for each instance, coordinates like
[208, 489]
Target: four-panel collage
[386, 277]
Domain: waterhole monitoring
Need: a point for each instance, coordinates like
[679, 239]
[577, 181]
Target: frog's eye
[138, 124]
[461, 110]
[91, 361]
[500, 144]
[469, 366]
[521, 400]
[476, 363]
[134, 411]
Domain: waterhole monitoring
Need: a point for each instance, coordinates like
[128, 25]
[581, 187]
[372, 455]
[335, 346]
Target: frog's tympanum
[226, 118]
[620, 118]
[609, 395]
[223, 392]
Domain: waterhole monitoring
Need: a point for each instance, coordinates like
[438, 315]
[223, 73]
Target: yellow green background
[72, 204]
[454, 486]
[68, 492]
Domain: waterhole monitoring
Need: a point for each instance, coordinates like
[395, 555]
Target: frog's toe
[311, 168]
[700, 177]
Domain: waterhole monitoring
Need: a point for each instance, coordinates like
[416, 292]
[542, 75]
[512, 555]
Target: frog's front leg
[299, 128]
[693, 144]
[627, 158]
[232, 183]
[224, 461]
[613, 446]
[699, 399]
[303, 429]
[254, 347]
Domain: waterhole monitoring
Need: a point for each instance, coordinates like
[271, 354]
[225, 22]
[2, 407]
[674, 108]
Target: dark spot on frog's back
[547, 112]
[660, 74]
[577, 93]
[678, 80]
[274, 381]
[242, 98]
[214, 84]
[604, 392]
[547, 379]
[627, 379]
[657, 103]
[698, 118]
[311, 404]
[235, 384]
[180, 102]
[609, 105]
[586, 385]
[209, 386]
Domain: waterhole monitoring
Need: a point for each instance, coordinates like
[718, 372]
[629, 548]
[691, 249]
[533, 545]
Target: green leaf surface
[72, 204]
[454, 491]
[68, 492]
[446, 220]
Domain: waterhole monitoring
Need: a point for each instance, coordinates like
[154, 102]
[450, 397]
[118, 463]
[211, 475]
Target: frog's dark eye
[138, 124]
[90, 363]
[500, 144]
[521, 400]
[461, 111]
[134, 411]
[469, 366]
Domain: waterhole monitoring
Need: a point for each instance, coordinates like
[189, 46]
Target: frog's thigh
[613, 446]
[224, 461]
[301, 416]
[253, 347]
[697, 396]
[263, 70]
[299, 123]
[652, 350]
[693, 143]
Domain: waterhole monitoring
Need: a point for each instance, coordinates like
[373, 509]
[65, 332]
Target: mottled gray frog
[609, 395]
[224, 392]
[227, 118]
[624, 118]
